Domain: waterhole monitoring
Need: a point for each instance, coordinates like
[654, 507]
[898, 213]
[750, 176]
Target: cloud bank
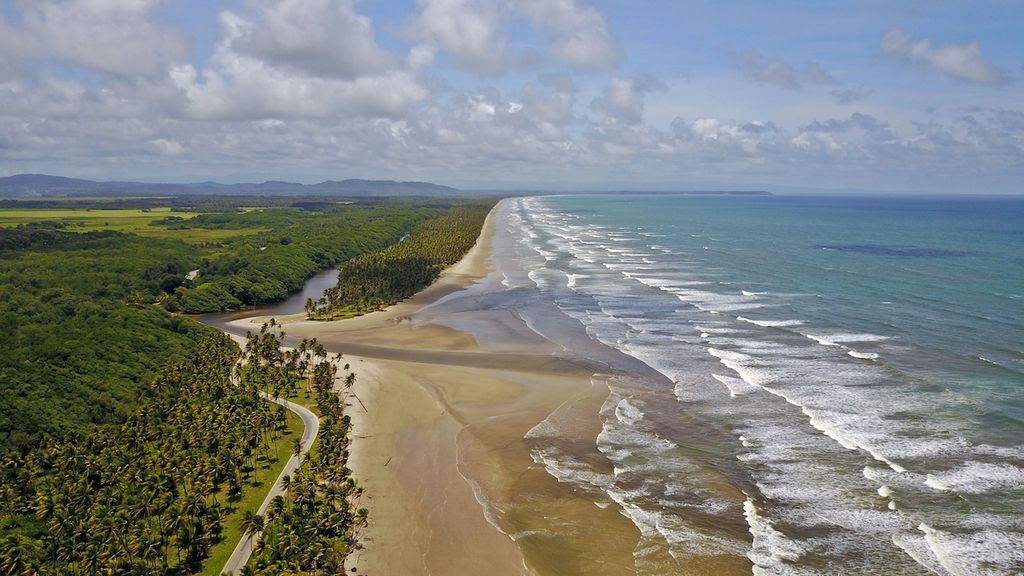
[315, 89]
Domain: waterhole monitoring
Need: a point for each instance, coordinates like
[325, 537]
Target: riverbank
[439, 420]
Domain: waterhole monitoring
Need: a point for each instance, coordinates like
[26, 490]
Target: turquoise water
[840, 381]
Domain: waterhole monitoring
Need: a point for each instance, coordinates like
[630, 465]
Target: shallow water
[827, 385]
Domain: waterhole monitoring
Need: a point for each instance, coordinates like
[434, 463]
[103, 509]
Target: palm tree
[252, 523]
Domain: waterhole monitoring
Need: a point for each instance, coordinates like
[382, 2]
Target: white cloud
[578, 33]
[623, 98]
[287, 76]
[167, 147]
[115, 37]
[325, 38]
[303, 90]
[475, 34]
[961, 61]
[756, 67]
[239, 88]
[472, 31]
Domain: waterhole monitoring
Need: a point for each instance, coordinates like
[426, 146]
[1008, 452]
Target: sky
[520, 94]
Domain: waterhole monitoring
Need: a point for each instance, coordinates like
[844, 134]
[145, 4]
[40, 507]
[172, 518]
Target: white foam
[567, 470]
[805, 475]
[978, 478]
[823, 340]
[981, 553]
[770, 549]
[916, 547]
[532, 275]
[736, 386]
[845, 338]
[834, 424]
[628, 413]
[771, 323]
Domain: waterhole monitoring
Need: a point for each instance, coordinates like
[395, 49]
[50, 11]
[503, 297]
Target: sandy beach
[439, 420]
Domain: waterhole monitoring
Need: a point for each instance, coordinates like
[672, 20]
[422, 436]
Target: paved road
[243, 550]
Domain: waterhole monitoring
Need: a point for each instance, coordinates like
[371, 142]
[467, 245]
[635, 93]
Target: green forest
[378, 279]
[291, 245]
[83, 339]
[130, 443]
[86, 307]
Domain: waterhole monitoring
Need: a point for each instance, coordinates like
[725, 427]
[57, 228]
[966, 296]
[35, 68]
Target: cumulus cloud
[757, 67]
[291, 76]
[475, 34]
[578, 33]
[866, 124]
[325, 38]
[961, 61]
[471, 31]
[303, 89]
[623, 99]
[115, 37]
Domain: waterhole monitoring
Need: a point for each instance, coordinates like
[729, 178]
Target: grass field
[135, 221]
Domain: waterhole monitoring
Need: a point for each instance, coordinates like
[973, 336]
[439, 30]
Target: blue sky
[527, 94]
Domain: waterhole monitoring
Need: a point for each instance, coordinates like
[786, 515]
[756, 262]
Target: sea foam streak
[978, 478]
[771, 323]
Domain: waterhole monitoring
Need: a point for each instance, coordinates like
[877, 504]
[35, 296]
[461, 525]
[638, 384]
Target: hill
[23, 185]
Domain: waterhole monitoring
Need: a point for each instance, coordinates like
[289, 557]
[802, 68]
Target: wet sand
[438, 440]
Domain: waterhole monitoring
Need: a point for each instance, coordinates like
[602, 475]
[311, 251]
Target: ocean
[818, 385]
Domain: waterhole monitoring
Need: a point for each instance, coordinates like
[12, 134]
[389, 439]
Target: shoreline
[439, 422]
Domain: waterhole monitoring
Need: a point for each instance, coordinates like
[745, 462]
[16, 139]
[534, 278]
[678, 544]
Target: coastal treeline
[311, 529]
[378, 279]
[148, 495]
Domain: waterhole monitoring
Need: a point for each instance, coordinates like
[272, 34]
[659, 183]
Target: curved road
[243, 550]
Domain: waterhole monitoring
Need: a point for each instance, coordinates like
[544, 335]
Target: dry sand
[438, 427]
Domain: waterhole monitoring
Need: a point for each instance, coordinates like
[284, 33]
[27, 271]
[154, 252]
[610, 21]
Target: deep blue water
[843, 376]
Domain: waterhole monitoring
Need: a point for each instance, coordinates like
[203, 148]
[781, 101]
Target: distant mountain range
[43, 185]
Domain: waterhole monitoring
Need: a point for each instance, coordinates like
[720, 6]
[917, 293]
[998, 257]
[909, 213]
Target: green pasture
[134, 221]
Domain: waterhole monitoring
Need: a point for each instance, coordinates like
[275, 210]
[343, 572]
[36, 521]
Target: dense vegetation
[82, 337]
[378, 279]
[311, 529]
[267, 266]
[80, 340]
[146, 496]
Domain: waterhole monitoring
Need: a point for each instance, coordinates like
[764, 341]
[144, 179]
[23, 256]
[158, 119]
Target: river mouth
[314, 289]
